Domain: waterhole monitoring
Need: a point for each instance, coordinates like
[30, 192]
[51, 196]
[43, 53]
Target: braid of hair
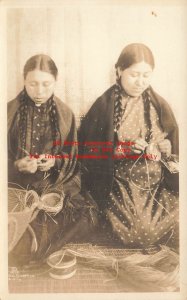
[147, 99]
[118, 111]
[23, 109]
[54, 125]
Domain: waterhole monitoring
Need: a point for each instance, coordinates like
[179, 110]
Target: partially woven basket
[23, 207]
[22, 210]
[51, 203]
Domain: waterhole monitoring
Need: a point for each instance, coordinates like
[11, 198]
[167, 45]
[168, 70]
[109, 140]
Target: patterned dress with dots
[141, 211]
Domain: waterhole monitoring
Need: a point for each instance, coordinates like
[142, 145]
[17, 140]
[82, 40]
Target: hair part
[40, 62]
[135, 53]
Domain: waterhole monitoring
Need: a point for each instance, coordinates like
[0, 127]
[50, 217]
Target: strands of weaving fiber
[135, 271]
[22, 210]
[161, 223]
[158, 271]
[23, 207]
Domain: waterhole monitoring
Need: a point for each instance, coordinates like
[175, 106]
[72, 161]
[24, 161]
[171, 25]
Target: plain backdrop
[85, 42]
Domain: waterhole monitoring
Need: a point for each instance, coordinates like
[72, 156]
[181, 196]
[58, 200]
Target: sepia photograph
[95, 94]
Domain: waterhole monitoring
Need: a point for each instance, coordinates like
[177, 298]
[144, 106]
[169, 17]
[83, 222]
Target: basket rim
[61, 265]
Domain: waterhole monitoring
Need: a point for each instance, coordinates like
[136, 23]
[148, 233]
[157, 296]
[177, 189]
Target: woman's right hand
[26, 165]
[139, 145]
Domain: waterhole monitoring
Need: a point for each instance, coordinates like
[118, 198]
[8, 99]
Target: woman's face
[39, 85]
[136, 78]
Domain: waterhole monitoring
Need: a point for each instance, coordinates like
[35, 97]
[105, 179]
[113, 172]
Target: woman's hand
[26, 165]
[165, 147]
[45, 164]
[139, 145]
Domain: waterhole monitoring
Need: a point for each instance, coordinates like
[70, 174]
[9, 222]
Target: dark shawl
[98, 126]
[68, 177]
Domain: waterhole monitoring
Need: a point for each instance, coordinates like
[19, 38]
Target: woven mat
[35, 279]
[84, 281]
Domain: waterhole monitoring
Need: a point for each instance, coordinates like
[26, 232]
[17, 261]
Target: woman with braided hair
[136, 192]
[42, 156]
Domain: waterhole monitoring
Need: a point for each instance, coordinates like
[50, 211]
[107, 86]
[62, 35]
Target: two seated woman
[135, 197]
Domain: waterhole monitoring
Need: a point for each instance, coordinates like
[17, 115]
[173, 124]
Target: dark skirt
[140, 209]
[48, 233]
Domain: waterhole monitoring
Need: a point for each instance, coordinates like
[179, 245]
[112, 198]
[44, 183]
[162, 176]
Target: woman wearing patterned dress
[135, 131]
[42, 156]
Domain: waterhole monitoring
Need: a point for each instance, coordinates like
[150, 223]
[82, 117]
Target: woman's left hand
[139, 145]
[44, 164]
[165, 147]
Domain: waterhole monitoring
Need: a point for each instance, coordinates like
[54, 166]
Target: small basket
[51, 202]
[63, 265]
